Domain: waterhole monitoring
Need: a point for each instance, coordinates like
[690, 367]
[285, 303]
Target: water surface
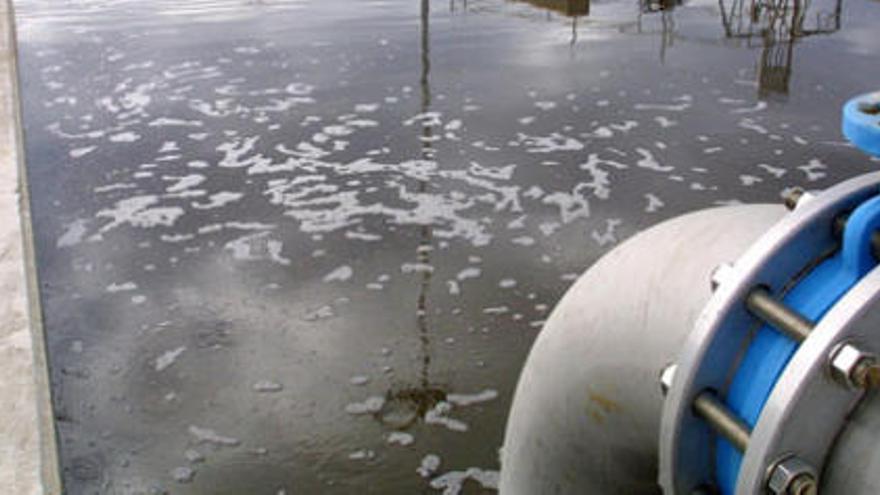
[291, 246]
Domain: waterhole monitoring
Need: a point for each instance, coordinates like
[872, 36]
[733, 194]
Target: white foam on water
[777, 172]
[470, 399]
[366, 107]
[667, 107]
[814, 170]
[400, 438]
[256, 247]
[452, 482]
[194, 456]
[124, 137]
[551, 143]
[137, 212]
[573, 205]
[183, 474]
[321, 313]
[172, 122]
[217, 200]
[453, 287]
[654, 203]
[209, 436]
[118, 186]
[122, 287]
[416, 268]
[749, 180]
[751, 125]
[362, 236]
[267, 386]
[80, 152]
[74, 234]
[601, 181]
[359, 380]
[168, 358]
[182, 183]
[371, 405]
[498, 173]
[362, 455]
[759, 106]
[438, 415]
[339, 274]
[523, 240]
[649, 162]
[665, 122]
[429, 465]
[608, 236]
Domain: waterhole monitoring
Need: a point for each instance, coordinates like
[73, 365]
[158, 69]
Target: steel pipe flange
[808, 406]
[759, 351]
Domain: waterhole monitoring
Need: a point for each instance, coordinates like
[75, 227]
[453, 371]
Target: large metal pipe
[586, 412]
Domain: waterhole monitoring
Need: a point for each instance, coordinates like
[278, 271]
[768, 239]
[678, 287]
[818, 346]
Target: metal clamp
[819, 387]
[727, 329]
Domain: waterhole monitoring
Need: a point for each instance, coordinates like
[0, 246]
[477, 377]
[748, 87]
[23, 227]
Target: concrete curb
[28, 447]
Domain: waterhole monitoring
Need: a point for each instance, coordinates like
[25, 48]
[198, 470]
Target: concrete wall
[28, 456]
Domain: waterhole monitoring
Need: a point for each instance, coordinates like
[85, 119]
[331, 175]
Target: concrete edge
[50, 474]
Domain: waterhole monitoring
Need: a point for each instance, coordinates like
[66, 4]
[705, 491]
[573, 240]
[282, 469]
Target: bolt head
[721, 275]
[792, 476]
[853, 367]
[796, 198]
[791, 199]
[667, 376]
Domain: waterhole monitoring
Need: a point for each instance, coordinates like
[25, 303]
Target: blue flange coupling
[861, 122]
[763, 314]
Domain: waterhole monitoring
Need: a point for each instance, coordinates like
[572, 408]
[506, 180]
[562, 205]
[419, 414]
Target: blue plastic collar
[771, 350]
[861, 122]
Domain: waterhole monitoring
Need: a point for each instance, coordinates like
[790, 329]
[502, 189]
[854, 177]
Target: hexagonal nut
[667, 376]
[853, 367]
[792, 476]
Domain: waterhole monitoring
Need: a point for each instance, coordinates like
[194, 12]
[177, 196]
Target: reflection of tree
[776, 25]
[406, 405]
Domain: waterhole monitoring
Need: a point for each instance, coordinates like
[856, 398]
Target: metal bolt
[792, 476]
[722, 420]
[796, 197]
[667, 376]
[761, 304]
[791, 199]
[721, 275]
[854, 368]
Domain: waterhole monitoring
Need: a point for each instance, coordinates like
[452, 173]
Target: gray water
[304, 246]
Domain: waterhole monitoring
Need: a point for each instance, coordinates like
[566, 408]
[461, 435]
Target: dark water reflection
[303, 247]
